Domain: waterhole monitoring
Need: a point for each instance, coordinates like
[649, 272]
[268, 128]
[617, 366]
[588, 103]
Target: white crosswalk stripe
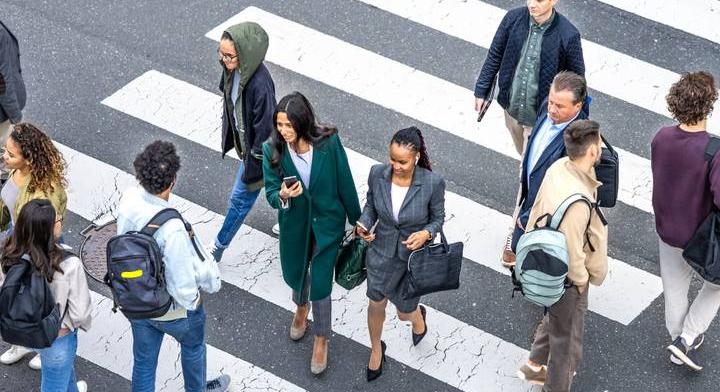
[409, 91]
[698, 17]
[191, 112]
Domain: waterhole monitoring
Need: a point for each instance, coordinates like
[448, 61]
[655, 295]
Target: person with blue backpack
[567, 239]
[147, 225]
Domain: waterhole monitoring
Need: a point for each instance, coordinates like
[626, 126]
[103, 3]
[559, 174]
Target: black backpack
[135, 269]
[29, 316]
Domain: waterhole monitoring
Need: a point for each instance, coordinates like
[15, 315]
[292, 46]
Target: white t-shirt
[397, 194]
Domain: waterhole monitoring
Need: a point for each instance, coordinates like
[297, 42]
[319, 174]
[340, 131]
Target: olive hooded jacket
[255, 103]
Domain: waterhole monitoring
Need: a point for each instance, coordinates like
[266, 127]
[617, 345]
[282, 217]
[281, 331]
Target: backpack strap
[559, 214]
[165, 215]
[711, 149]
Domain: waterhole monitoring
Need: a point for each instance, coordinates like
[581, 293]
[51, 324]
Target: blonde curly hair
[47, 165]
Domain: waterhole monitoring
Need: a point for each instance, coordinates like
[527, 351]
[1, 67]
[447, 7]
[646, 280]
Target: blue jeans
[147, 339]
[58, 365]
[241, 201]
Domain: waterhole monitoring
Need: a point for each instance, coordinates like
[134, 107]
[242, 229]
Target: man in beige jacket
[557, 349]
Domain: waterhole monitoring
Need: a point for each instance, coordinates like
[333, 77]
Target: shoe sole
[684, 358]
[521, 376]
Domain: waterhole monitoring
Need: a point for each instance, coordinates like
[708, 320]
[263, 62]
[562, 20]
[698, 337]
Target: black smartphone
[290, 181]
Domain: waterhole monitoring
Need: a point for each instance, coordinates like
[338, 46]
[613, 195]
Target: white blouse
[303, 164]
[397, 194]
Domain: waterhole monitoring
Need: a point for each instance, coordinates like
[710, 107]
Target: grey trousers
[559, 340]
[682, 318]
[321, 310]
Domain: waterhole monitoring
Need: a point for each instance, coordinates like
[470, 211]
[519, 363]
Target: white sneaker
[35, 363]
[14, 354]
[276, 229]
[82, 386]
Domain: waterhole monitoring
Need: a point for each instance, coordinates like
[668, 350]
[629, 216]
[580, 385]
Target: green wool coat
[321, 210]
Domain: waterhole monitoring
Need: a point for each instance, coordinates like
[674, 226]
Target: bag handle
[607, 144]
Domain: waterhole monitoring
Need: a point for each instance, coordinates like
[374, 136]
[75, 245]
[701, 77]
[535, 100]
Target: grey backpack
[135, 269]
[542, 259]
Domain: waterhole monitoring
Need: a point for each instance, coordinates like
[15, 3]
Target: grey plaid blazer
[423, 209]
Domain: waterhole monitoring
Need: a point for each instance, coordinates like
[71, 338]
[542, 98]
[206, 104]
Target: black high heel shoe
[373, 374]
[417, 338]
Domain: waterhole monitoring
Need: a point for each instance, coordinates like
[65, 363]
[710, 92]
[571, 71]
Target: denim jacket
[185, 272]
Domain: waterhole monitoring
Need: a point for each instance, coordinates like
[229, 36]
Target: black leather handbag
[702, 253]
[607, 172]
[433, 268]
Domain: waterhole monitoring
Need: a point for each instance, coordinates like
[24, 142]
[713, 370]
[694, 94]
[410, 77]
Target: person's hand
[581, 289]
[294, 191]
[364, 234]
[479, 103]
[417, 240]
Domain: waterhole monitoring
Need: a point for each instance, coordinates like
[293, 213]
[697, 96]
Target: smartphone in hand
[290, 181]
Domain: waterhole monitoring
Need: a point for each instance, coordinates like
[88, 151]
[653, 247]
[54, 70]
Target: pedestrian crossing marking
[697, 17]
[409, 91]
[187, 111]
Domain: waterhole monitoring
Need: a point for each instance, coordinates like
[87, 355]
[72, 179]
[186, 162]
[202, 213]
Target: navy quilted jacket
[561, 51]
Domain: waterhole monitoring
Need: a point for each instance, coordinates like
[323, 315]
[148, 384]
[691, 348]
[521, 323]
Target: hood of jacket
[251, 44]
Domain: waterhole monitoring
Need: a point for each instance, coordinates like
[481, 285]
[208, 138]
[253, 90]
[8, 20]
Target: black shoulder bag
[433, 268]
[702, 253]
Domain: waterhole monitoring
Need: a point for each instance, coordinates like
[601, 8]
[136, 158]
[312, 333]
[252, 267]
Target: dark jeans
[147, 339]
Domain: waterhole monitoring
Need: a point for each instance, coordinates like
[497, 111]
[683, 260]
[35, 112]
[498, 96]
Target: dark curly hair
[691, 98]
[47, 165]
[157, 166]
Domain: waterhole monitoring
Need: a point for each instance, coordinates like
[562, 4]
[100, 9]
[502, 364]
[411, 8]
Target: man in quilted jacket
[530, 47]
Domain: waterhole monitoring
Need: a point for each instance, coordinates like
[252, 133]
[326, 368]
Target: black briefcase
[607, 172]
[433, 268]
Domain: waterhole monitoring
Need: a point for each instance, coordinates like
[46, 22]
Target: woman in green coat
[308, 180]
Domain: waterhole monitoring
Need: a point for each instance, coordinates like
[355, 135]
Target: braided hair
[47, 165]
[413, 139]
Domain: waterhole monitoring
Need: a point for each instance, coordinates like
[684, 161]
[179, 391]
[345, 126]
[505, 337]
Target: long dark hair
[302, 117]
[33, 234]
[412, 138]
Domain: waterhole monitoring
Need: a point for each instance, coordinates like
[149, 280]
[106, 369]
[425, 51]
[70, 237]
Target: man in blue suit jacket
[567, 101]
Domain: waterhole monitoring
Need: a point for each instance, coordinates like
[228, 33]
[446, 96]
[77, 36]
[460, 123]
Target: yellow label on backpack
[131, 274]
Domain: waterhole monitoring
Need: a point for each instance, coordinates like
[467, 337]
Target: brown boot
[318, 364]
[299, 323]
[508, 256]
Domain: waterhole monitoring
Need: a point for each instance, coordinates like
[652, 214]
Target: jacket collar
[588, 179]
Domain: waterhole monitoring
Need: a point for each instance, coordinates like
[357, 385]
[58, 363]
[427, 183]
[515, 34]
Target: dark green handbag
[350, 267]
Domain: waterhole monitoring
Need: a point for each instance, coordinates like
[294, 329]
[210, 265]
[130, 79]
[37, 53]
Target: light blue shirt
[185, 272]
[235, 93]
[545, 135]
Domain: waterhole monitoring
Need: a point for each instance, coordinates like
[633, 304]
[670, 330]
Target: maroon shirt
[682, 197]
